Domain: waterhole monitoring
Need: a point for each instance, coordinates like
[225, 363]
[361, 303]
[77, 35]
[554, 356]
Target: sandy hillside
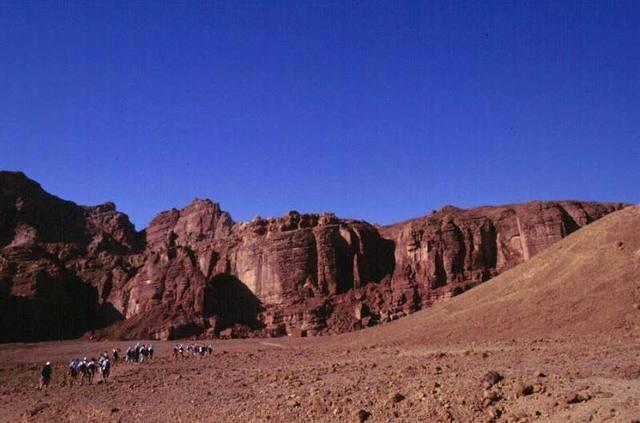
[585, 284]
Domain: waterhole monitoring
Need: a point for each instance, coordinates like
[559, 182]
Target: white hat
[48, 363]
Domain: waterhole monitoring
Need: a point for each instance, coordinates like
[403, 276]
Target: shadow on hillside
[61, 309]
[232, 302]
[107, 315]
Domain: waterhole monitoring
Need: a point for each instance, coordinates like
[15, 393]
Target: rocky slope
[585, 285]
[67, 269]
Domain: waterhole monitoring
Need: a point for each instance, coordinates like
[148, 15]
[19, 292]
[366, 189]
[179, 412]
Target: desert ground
[544, 379]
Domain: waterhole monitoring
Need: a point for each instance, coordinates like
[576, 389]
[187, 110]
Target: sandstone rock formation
[453, 250]
[285, 268]
[59, 262]
[66, 269]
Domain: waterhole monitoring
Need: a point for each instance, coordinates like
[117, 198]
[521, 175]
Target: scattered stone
[397, 397]
[38, 408]
[491, 378]
[495, 413]
[576, 397]
[489, 397]
[293, 403]
[521, 418]
[523, 390]
[363, 415]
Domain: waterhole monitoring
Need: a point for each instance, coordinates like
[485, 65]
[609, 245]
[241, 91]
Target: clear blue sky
[374, 110]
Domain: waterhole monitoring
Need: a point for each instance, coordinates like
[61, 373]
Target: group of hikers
[139, 353]
[194, 350]
[86, 369]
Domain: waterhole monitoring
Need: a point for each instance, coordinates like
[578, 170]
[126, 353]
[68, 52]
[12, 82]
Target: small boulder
[489, 397]
[491, 378]
[576, 397]
[38, 408]
[523, 390]
[293, 403]
[397, 397]
[494, 413]
[363, 416]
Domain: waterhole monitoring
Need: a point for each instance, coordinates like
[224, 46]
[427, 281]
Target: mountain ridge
[196, 272]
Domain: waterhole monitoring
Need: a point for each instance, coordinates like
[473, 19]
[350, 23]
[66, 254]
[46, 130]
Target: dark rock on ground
[491, 378]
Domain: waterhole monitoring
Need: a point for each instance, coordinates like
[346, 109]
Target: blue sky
[374, 110]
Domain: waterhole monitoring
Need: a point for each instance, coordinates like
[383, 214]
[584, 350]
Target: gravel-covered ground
[586, 379]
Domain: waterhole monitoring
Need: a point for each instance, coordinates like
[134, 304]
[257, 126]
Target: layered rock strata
[66, 270]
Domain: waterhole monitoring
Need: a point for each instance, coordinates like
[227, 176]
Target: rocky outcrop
[273, 270]
[297, 264]
[452, 250]
[195, 226]
[40, 298]
[309, 255]
[67, 269]
[29, 215]
[61, 265]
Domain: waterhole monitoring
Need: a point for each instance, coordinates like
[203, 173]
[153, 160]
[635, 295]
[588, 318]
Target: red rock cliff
[67, 269]
[453, 250]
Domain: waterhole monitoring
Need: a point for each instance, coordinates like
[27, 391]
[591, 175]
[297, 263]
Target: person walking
[105, 368]
[73, 371]
[45, 375]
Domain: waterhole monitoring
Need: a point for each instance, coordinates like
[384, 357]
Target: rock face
[59, 262]
[66, 270]
[453, 250]
[274, 271]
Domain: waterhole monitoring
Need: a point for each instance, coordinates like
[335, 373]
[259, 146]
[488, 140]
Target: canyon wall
[68, 270]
